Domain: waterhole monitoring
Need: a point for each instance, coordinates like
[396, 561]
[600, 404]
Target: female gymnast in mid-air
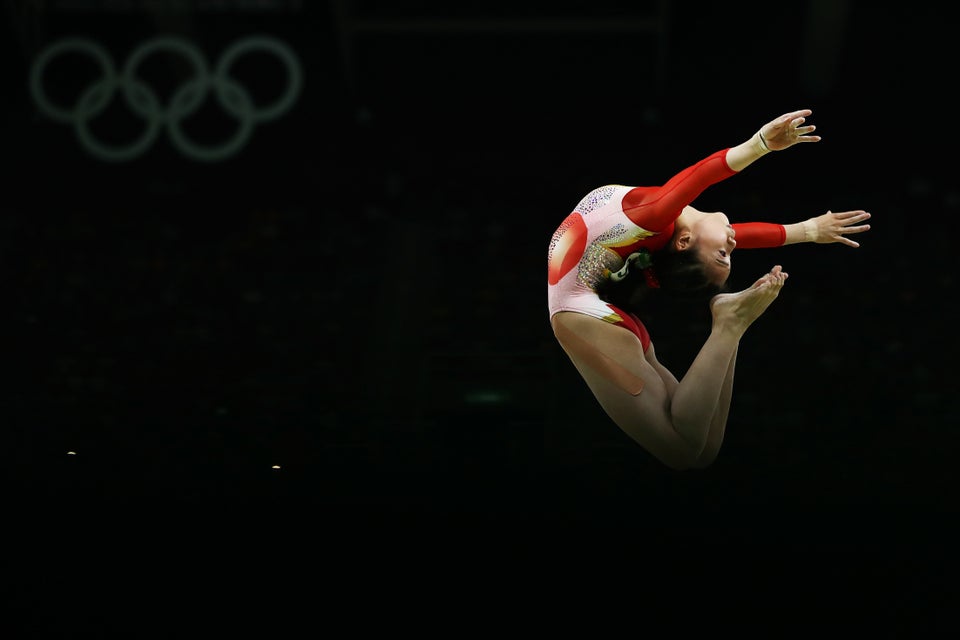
[621, 246]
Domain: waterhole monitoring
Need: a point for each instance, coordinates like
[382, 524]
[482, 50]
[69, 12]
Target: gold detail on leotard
[598, 258]
[612, 318]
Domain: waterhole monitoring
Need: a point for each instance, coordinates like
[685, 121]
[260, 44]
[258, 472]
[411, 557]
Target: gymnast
[621, 247]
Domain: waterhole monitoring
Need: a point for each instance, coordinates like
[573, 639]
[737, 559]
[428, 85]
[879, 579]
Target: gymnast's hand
[788, 130]
[833, 227]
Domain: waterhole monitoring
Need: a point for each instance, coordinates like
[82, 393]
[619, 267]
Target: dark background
[357, 295]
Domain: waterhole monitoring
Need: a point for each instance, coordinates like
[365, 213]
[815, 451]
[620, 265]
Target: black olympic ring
[187, 98]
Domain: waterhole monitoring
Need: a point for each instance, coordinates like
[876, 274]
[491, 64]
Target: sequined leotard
[613, 221]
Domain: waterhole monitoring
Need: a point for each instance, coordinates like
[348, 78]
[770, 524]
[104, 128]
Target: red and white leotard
[613, 221]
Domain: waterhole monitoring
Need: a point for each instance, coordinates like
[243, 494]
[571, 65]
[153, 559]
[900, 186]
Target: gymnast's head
[710, 238]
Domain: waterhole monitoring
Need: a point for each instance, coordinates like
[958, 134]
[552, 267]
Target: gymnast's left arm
[824, 229]
[829, 227]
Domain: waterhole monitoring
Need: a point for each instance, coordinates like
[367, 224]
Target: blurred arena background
[290, 251]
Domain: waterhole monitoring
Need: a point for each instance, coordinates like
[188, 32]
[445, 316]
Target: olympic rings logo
[184, 101]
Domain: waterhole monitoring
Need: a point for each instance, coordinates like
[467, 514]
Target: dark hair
[681, 276]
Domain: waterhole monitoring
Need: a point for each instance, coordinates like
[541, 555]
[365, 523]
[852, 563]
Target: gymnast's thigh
[611, 361]
[638, 403]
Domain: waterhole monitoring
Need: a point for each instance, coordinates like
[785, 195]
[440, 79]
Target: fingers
[847, 224]
[858, 214]
[847, 228]
[794, 126]
[803, 132]
[858, 229]
[793, 119]
[799, 113]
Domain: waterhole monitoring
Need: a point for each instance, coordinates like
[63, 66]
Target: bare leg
[697, 398]
[674, 424]
[718, 426]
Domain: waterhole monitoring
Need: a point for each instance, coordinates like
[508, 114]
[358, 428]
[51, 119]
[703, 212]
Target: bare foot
[737, 311]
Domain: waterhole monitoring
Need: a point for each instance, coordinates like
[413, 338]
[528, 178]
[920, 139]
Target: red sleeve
[759, 235]
[655, 208]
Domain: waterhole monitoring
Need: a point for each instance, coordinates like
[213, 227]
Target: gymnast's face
[713, 239]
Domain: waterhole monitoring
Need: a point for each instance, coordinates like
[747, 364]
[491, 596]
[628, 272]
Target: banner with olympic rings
[232, 96]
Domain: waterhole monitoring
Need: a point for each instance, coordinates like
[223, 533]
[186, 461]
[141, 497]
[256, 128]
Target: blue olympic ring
[186, 99]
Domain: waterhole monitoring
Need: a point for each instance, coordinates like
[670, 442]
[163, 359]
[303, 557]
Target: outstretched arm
[830, 227]
[827, 228]
[778, 134]
[655, 208]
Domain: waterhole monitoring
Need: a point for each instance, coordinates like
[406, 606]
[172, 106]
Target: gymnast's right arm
[655, 208]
